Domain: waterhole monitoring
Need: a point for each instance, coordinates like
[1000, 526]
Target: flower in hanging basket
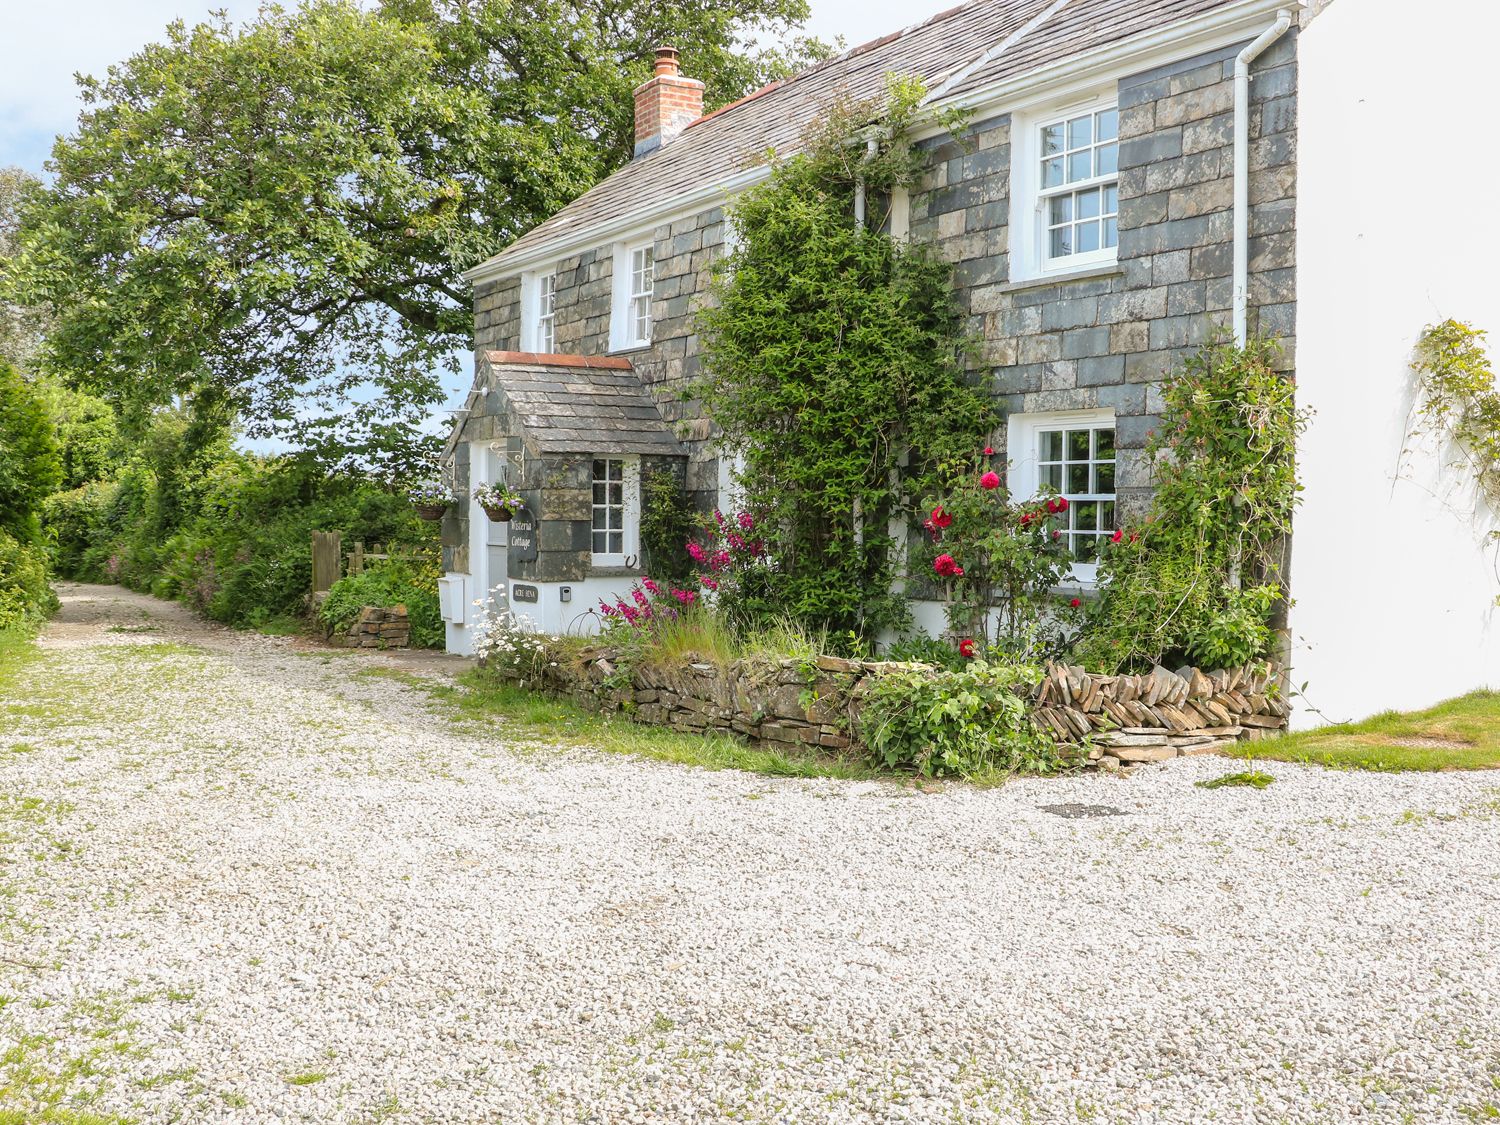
[499, 503]
[430, 498]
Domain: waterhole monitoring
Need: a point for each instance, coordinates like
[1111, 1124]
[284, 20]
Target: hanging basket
[431, 512]
[500, 513]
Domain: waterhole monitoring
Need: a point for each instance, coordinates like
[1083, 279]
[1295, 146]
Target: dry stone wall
[377, 627]
[815, 704]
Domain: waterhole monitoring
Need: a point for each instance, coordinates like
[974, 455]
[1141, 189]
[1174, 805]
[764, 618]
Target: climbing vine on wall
[1199, 579]
[1458, 398]
[835, 360]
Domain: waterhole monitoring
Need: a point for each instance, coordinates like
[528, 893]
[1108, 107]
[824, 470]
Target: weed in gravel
[1254, 779]
[307, 1078]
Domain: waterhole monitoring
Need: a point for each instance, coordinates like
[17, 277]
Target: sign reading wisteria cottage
[523, 531]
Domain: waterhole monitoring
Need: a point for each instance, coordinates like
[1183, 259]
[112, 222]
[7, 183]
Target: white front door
[488, 539]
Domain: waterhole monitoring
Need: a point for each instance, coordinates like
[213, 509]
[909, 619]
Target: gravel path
[245, 881]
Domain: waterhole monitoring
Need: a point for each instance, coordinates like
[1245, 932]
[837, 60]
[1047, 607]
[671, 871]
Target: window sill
[1089, 273]
[629, 349]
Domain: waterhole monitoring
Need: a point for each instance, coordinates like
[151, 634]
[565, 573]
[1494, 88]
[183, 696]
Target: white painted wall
[1395, 583]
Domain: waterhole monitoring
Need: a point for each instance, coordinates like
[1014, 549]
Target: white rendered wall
[1393, 576]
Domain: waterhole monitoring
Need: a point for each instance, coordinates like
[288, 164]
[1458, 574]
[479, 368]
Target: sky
[47, 43]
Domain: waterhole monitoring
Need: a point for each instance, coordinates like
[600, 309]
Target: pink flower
[946, 566]
[651, 586]
[696, 551]
[989, 451]
[941, 518]
[990, 480]
[709, 583]
[746, 521]
[686, 597]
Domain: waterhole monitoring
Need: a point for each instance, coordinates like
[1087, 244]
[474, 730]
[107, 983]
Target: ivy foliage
[667, 524]
[835, 366]
[1459, 398]
[1200, 579]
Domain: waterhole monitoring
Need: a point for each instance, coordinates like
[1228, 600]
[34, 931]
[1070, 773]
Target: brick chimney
[666, 105]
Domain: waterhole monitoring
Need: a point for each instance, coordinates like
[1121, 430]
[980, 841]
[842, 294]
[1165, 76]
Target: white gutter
[1242, 167]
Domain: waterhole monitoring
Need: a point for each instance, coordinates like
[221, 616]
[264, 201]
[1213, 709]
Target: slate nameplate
[523, 533]
[519, 593]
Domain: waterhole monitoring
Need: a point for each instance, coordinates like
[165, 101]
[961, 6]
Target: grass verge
[1461, 734]
[533, 717]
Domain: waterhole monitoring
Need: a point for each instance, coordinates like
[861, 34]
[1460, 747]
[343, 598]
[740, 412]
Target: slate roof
[1024, 36]
[579, 404]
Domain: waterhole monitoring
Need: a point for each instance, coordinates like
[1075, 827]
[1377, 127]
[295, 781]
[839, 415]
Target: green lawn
[1461, 734]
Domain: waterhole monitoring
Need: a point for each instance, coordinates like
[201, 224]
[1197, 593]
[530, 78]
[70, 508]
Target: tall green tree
[21, 326]
[280, 211]
[29, 465]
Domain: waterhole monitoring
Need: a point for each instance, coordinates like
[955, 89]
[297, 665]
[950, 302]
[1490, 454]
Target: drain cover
[1075, 811]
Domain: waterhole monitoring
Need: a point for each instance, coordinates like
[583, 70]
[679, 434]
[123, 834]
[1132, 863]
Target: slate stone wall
[1104, 341]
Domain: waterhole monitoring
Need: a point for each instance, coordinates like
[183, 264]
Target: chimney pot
[666, 104]
[666, 61]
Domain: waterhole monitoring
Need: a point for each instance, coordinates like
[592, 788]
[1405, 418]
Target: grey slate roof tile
[738, 136]
[568, 408]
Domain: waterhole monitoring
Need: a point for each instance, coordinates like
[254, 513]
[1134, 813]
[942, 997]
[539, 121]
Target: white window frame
[1029, 258]
[630, 540]
[624, 331]
[537, 320]
[1022, 437]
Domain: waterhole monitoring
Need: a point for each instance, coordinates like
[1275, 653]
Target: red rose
[1057, 535]
[940, 518]
[1062, 503]
[966, 648]
[945, 566]
[1028, 518]
[1117, 536]
[989, 451]
[1075, 603]
[990, 480]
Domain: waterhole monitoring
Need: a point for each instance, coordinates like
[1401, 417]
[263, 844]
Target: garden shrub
[1198, 581]
[973, 721]
[388, 584]
[78, 527]
[25, 596]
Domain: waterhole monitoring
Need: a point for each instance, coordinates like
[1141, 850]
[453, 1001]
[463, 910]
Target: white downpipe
[1242, 167]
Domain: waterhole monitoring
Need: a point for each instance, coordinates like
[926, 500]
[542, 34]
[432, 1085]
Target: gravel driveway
[243, 880]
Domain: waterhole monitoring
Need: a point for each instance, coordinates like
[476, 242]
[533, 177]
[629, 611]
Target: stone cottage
[1133, 180]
